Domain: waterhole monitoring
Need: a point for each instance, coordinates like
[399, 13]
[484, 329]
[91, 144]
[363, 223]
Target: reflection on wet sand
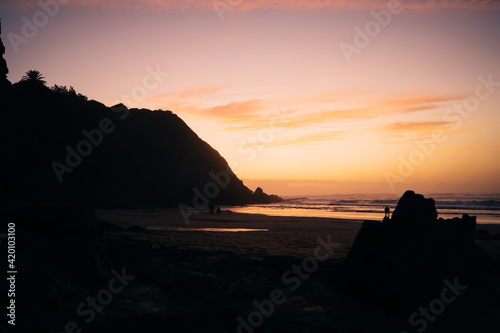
[207, 229]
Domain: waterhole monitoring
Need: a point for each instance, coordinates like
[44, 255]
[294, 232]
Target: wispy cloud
[468, 148]
[310, 139]
[409, 131]
[233, 112]
[201, 90]
[256, 114]
[374, 109]
[131, 80]
[417, 126]
[179, 100]
[247, 5]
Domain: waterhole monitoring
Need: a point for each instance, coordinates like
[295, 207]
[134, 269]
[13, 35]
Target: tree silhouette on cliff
[34, 76]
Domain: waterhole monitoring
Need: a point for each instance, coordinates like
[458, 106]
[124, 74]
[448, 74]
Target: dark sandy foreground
[257, 281]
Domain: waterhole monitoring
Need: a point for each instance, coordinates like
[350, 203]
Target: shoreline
[303, 212]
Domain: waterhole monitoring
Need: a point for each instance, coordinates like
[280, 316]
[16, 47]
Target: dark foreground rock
[407, 262]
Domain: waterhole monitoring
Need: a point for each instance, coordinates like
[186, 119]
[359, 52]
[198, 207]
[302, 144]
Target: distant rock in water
[4, 70]
[62, 148]
[260, 197]
[402, 263]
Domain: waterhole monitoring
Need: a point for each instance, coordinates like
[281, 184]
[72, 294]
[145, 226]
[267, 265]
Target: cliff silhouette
[60, 147]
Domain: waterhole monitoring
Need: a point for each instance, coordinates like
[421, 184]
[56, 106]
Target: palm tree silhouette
[34, 76]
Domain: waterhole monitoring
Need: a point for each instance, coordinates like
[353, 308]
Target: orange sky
[287, 91]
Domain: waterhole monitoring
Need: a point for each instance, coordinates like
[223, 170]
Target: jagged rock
[401, 264]
[4, 70]
[464, 227]
[414, 209]
[260, 197]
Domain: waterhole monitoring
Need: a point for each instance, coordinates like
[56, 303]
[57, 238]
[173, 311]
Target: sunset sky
[290, 92]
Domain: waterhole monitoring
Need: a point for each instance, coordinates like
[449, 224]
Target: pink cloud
[245, 5]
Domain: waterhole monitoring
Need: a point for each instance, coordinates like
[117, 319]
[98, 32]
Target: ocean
[486, 207]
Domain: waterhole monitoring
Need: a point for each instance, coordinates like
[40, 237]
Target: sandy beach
[253, 235]
[222, 273]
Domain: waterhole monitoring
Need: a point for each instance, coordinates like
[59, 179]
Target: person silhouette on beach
[218, 209]
[387, 212]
